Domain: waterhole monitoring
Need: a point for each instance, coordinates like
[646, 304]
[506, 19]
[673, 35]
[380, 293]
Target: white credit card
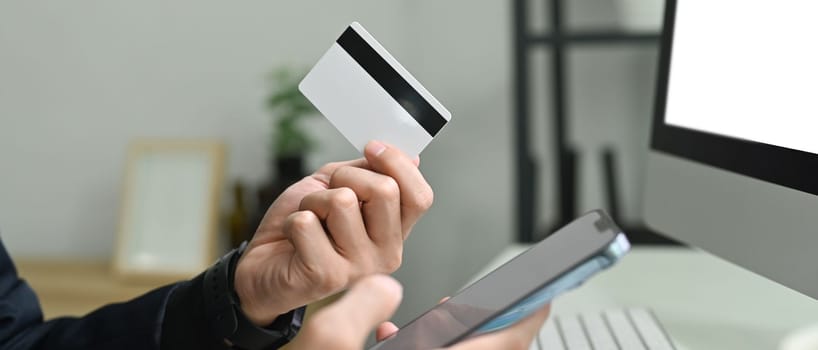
[368, 95]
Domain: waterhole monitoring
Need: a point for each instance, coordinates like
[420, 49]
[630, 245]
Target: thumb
[346, 323]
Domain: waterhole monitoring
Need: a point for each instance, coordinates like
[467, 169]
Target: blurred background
[81, 80]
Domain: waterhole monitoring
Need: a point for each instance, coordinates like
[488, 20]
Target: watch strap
[223, 309]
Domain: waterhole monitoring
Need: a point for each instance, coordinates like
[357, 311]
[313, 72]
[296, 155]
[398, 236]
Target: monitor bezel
[783, 166]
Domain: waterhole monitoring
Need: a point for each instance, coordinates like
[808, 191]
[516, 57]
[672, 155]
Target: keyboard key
[652, 333]
[573, 333]
[549, 337]
[623, 330]
[618, 329]
[598, 332]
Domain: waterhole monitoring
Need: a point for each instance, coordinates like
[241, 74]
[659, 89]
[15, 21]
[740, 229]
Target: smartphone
[558, 263]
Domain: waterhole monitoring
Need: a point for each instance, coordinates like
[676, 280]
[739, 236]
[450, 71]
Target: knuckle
[387, 188]
[392, 262]
[300, 221]
[340, 172]
[424, 199]
[343, 197]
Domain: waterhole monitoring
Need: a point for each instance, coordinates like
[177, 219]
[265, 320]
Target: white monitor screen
[746, 69]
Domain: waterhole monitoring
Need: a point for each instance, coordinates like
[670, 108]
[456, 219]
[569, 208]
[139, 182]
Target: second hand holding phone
[516, 289]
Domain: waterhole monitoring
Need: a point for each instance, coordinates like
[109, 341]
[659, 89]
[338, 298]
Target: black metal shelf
[558, 40]
[579, 38]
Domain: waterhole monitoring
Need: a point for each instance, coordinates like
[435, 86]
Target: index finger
[324, 174]
[416, 195]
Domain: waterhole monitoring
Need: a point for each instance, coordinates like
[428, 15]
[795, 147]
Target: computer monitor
[733, 164]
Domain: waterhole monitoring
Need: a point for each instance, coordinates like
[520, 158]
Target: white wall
[79, 79]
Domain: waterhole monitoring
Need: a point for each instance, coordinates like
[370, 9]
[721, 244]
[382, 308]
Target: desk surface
[703, 301]
[74, 288]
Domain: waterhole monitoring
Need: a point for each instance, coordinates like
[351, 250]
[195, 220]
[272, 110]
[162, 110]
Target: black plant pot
[287, 170]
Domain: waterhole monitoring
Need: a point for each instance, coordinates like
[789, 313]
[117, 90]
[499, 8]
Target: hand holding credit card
[367, 95]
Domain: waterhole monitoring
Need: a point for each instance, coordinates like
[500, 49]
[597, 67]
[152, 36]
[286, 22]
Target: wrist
[258, 319]
[228, 320]
[254, 302]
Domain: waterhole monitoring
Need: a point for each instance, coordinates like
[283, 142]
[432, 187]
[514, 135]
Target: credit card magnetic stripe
[395, 85]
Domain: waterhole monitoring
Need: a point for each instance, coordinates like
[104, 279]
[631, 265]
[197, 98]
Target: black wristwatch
[223, 310]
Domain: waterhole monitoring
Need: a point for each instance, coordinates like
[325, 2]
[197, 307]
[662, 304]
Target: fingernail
[375, 148]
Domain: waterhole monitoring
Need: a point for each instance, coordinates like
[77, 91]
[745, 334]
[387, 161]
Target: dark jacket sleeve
[185, 325]
[135, 324]
[171, 317]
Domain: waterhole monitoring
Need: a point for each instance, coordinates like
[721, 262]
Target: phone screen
[509, 284]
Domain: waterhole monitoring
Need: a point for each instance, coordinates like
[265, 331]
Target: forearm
[131, 325]
[170, 317]
[185, 325]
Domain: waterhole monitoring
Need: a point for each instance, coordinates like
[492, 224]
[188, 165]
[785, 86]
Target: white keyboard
[617, 329]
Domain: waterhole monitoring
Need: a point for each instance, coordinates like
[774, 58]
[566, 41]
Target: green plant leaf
[288, 107]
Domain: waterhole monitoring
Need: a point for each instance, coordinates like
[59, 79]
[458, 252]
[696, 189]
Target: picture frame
[170, 209]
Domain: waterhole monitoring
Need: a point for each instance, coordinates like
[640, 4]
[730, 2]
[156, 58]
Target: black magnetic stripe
[394, 84]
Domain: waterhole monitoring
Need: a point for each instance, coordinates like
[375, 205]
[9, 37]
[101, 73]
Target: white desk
[702, 301]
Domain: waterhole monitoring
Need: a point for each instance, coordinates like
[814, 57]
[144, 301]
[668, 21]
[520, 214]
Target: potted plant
[290, 142]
